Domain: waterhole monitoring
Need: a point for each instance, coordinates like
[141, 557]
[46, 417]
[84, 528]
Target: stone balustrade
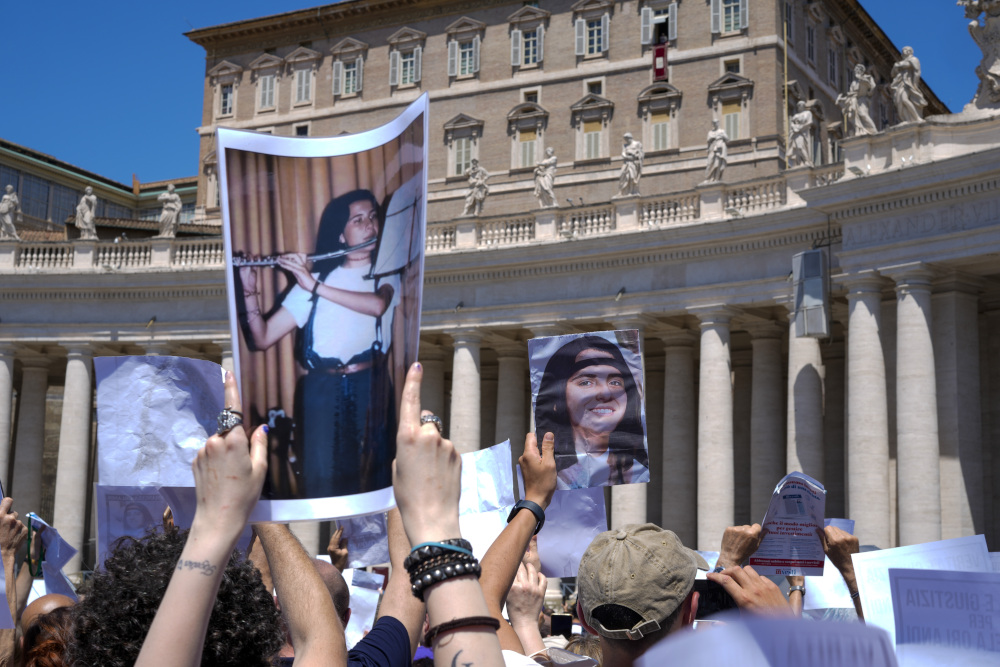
[623, 215]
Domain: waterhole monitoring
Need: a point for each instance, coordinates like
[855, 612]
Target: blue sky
[113, 86]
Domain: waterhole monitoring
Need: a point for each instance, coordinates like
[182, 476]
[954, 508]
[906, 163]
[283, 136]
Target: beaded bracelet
[436, 561]
[427, 550]
[439, 574]
[458, 623]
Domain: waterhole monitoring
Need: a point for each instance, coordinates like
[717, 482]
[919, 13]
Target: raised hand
[752, 592]
[297, 264]
[13, 533]
[738, 544]
[337, 549]
[539, 469]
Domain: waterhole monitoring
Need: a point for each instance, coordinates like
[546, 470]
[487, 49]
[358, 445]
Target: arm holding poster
[839, 546]
[229, 473]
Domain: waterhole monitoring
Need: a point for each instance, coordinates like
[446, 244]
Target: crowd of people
[186, 598]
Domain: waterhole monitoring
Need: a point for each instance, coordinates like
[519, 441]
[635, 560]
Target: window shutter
[716, 16]
[453, 58]
[672, 18]
[515, 48]
[475, 53]
[360, 69]
[581, 37]
[418, 54]
[646, 30]
[394, 68]
[540, 31]
[605, 30]
[744, 14]
[338, 78]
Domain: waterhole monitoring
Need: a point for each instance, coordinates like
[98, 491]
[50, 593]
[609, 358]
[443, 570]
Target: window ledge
[666, 152]
[267, 110]
[454, 179]
[517, 171]
[593, 161]
[306, 103]
[224, 116]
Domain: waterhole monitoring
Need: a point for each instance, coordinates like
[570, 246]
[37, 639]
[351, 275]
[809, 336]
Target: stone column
[512, 394]
[715, 428]
[628, 501]
[867, 403]
[463, 430]
[74, 452]
[488, 413]
[956, 356]
[742, 399]
[680, 438]
[157, 348]
[992, 317]
[804, 417]
[26, 479]
[918, 463]
[767, 418]
[654, 436]
[833, 429]
[226, 347]
[889, 353]
[308, 534]
[7, 355]
[432, 387]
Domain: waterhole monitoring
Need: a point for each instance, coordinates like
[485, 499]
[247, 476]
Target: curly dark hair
[551, 413]
[111, 622]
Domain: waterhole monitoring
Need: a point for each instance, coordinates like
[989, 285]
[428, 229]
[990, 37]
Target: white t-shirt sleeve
[297, 302]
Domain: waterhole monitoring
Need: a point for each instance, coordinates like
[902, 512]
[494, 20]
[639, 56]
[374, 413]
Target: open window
[348, 67]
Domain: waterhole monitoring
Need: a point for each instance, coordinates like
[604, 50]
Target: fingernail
[266, 429]
[229, 376]
[418, 366]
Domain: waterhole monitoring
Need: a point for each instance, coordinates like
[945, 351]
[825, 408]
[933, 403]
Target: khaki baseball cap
[641, 567]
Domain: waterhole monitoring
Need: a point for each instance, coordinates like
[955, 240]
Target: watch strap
[534, 508]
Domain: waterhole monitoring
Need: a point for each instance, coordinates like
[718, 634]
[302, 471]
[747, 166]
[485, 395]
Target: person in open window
[345, 416]
[589, 399]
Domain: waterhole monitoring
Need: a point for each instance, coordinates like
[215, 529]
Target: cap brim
[699, 561]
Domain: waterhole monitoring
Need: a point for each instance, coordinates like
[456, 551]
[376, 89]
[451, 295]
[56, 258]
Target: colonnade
[898, 414]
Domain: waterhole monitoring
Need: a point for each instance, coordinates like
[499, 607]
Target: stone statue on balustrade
[85, 212]
[906, 95]
[478, 190]
[856, 103]
[545, 176]
[628, 179]
[800, 137]
[985, 31]
[10, 207]
[718, 153]
[170, 215]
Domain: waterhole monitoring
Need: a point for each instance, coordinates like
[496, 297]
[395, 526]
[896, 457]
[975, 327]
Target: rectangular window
[529, 47]
[226, 99]
[9, 176]
[661, 130]
[350, 78]
[466, 56]
[730, 15]
[531, 96]
[266, 85]
[789, 20]
[64, 201]
[35, 197]
[407, 68]
[595, 36]
[733, 66]
[832, 61]
[111, 210]
[303, 85]
[731, 119]
[527, 139]
[811, 43]
[463, 155]
[592, 139]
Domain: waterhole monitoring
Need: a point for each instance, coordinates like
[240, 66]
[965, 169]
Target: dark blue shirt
[387, 645]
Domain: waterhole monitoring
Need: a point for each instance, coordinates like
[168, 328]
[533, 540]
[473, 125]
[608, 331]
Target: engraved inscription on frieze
[955, 218]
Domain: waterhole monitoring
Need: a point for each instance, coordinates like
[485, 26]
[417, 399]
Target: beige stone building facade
[897, 412]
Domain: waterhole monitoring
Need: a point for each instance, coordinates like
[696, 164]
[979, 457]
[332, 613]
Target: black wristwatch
[534, 508]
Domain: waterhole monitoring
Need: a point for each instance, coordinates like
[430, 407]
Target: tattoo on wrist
[204, 566]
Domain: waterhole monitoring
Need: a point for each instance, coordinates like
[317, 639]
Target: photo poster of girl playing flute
[324, 245]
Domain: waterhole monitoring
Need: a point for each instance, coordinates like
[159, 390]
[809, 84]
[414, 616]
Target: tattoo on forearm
[206, 567]
[456, 663]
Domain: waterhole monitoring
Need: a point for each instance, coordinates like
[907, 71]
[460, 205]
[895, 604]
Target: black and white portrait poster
[587, 390]
[324, 249]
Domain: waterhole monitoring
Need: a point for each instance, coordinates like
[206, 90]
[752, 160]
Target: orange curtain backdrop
[275, 205]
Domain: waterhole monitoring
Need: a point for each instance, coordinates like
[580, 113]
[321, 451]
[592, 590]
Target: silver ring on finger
[433, 419]
[228, 420]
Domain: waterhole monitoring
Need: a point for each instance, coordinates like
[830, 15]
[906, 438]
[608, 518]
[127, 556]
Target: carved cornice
[883, 206]
[591, 264]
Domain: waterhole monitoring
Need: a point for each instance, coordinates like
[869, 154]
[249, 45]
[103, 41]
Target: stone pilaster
[512, 394]
[680, 438]
[74, 452]
[7, 355]
[432, 387]
[488, 398]
[715, 428]
[26, 479]
[465, 392]
[628, 501]
[767, 416]
[918, 464]
[226, 359]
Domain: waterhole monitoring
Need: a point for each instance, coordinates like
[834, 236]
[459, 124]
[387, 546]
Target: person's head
[550, 151]
[859, 70]
[45, 604]
[715, 123]
[636, 585]
[907, 51]
[587, 389]
[88, 190]
[586, 644]
[348, 220]
[136, 517]
[111, 621]
[475, 162]
[627, 138]
[801, 105]
[44, 641]
[335, 584]
[170, 187]
[9, 189]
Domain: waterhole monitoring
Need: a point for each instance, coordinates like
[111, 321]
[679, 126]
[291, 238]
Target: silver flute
[273, 259]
